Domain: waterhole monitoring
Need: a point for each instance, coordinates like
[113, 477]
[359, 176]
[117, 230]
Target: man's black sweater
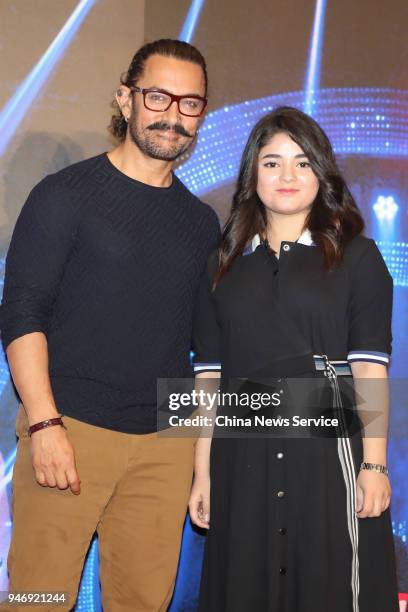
[108, 268]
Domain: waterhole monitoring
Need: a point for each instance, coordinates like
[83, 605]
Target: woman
[295, 292]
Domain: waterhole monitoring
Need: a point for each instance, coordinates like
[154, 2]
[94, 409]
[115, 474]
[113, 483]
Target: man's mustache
[177, 127]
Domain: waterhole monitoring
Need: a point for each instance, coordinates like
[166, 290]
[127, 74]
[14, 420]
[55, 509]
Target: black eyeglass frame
[173, 98]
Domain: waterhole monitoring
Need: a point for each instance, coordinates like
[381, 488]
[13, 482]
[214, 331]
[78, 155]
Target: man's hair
[165, 47]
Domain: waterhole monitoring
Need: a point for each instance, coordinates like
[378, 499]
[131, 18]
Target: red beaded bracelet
[44, 424]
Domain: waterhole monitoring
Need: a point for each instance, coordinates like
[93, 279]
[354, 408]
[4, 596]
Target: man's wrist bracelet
[374, 467]
[45, 424]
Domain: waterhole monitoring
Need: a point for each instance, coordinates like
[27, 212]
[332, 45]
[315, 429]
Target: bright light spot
[385, 208]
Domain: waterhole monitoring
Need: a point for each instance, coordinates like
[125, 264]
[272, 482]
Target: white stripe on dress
[347, 464]
[209, 367]
[371, 356]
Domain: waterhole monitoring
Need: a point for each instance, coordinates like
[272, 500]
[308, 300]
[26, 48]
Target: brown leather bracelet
[43, 424]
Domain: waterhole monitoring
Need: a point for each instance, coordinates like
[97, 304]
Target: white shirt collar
[305, 238]
[256, 241]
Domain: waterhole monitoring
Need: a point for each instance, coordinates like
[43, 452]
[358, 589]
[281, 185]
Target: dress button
[282, 570]
[278, 416]
[282, 530]
[281, 391]
[279, 380]
[279, 455]
[286, 247]
[280, 493]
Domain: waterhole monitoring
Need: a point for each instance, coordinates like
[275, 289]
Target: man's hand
[53, 459]
[373, 493]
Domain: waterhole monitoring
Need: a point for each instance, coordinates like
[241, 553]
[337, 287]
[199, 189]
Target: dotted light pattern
[369, 122]
[89, 593]
[400, 529]
[396, 258]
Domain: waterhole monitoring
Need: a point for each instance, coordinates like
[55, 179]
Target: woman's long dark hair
[334, 218]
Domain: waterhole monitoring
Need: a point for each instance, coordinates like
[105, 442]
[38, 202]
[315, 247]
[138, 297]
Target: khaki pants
[134, 493]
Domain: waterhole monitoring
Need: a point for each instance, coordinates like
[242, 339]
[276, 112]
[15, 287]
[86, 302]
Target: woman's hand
[199, 504]
[373, 493]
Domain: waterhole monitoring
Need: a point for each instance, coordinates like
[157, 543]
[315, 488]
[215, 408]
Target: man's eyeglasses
[160, 100]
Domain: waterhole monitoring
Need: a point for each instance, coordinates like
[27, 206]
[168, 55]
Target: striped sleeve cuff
[206, 367]
[371, 356]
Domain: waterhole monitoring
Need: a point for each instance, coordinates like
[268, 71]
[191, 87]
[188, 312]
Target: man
[101, 278]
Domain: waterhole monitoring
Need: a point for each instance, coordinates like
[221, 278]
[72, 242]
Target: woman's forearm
[202, 457]
[372, 393]
[207, 382]
[375, 450]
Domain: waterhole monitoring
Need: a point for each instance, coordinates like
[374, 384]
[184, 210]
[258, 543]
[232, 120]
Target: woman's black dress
[283, 535]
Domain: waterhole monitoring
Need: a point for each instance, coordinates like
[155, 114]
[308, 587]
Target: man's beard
[145, 140]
